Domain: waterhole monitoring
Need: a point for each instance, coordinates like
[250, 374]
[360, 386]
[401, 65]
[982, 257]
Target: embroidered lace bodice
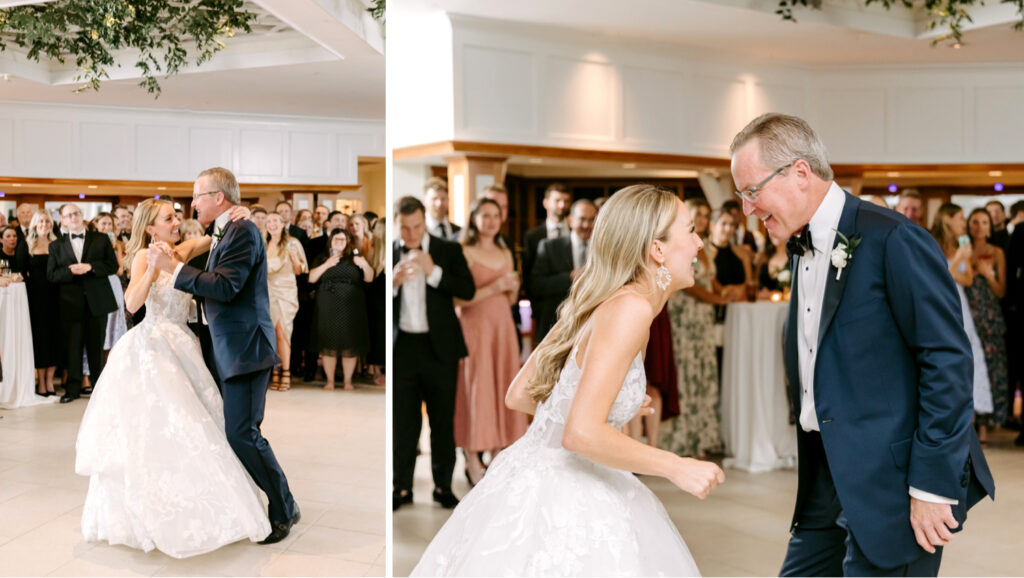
[165, 303]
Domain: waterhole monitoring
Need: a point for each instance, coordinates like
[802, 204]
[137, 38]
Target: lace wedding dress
[152, 442]
[542, 510]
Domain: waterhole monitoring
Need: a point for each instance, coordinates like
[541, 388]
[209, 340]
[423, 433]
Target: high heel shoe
[286, 380]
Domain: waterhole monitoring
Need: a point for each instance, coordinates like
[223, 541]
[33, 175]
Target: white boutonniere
[843, 252]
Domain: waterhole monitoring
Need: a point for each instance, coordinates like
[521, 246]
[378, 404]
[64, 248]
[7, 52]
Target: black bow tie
[800, 244]
[78, 236]
[405, 249]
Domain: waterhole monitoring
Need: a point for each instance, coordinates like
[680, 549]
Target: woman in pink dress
[482, 422]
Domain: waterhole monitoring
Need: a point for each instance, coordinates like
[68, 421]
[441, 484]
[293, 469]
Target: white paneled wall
[54, 141]
[550, 87]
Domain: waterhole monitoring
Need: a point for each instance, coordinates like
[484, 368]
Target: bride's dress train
[161, 472]
[542, 510]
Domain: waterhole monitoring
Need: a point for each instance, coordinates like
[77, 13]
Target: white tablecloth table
[18, 386]
[755, 413]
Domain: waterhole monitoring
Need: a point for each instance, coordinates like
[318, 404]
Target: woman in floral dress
[697, 430]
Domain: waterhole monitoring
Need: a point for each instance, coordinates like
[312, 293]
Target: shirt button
[807, 268]
[808, 309]
[812, 350]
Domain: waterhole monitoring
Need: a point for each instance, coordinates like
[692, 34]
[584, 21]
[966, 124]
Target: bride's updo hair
[619, 254]
[145, 215]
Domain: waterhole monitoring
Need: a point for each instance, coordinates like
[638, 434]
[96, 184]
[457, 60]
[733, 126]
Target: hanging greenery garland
[377, 10]
[167, 34]
[948, 14]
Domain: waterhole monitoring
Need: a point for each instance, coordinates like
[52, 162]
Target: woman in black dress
[732, 269]
[11, 252]
[341, 327]
[43, 300]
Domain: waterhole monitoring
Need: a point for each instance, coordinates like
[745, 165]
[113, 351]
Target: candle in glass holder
[776, 296]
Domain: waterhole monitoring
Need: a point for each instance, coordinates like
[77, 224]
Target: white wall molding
[541, 86]
[59, 141]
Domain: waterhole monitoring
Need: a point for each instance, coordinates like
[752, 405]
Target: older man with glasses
[80, 263]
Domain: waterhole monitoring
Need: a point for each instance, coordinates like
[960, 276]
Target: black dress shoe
[280, 530]
[399, 498]
[67, 398]
[446, 498]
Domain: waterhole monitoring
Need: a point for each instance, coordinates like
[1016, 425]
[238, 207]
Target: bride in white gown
[161, 472]
[562, 501]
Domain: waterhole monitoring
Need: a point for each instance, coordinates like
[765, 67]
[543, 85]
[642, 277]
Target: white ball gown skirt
[161, 472]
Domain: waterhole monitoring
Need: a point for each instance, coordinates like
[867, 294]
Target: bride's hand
[645, 408]
[239, 213]
[697, 477]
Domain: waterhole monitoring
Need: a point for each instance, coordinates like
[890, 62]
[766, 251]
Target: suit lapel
[833, 288]
[792, 358]
[87, 242]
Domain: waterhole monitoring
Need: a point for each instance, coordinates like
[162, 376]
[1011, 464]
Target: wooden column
[467, 177]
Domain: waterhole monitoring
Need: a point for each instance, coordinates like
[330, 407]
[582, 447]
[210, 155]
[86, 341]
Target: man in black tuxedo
[1000, 237]
[435, 200]
[122, 222]
[556, 203]
[1013, 303]
[558, 263]
[284, 208]
[428, 273]
[80, 263]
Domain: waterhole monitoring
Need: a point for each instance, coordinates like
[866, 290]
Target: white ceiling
[305, 57]
[843, 33]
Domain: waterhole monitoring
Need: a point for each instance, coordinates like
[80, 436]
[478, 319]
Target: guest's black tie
[800, 244]
[78, 236]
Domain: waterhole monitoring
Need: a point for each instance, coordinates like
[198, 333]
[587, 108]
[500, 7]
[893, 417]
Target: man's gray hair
[224, 181]
[782, 139]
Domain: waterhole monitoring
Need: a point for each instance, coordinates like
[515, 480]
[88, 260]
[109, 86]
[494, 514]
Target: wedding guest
[284, 208]
[435, 198]
[193, 229]
[741, 237]
[304, 221]
[557, 201]
[983, 295]
[697, 430]
[376, 300]
[116, 325]
[371, 218]
[1014, 303]
[909, 206]
[43, 298]
[122, 223]
[12, 251]
[774, 270]
[482, 422]
[732, 268]
[949, 226]
[427, 274]
[340, 322]
[362, 237]
[259, 218]
[320, 216]
[285, 260]
[304, 356]
[190, 229]
[25, 213]
[499, 194]
[559, 261]
[80, 264]
[1000, 236]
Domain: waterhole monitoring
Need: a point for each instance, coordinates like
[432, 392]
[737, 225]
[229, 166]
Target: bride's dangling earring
[664, 277]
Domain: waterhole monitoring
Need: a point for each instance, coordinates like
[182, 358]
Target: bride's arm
[517, 398]
[620, 329]
[140, 282]
[189, 249]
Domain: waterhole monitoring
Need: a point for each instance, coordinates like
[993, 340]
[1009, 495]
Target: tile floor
[330, 444]
[742, 529]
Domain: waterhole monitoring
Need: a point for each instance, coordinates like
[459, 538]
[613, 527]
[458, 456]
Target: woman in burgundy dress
[482, 422]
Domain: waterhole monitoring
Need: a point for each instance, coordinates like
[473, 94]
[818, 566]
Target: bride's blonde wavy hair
[618, 253]
[145, 215]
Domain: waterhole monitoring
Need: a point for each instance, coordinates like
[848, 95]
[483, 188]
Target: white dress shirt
[812, 277]
[218, 225]
[413, 318]
[441, 229]
[78, 244]
[579, 251]
[556, 229]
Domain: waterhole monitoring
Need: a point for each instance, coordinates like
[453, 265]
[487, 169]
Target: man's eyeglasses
[204, 194]
[750, 195]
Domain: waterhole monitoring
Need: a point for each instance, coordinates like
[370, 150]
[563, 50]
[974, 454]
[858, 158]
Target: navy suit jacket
[892, 383]
[234, 292]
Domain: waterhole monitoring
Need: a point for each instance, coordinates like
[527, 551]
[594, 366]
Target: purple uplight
[893, 188]
[2, 194]
[81, 195]
[998, 187]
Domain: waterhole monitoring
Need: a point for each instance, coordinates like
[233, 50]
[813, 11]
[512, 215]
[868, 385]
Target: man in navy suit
[234, 301]
[879, 367]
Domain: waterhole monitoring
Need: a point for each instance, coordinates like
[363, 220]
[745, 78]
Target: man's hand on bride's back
[697, 477]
